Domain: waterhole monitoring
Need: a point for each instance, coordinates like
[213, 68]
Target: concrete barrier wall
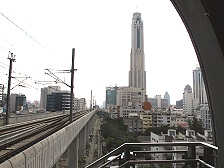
[28, 117]
[46, 153]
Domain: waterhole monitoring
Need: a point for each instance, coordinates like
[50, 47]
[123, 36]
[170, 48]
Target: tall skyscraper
[167, 96]
[137, 74]
[199, 87]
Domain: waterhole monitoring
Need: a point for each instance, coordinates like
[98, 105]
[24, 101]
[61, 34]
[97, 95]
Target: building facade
[130, 97]
[111, 93]
[80, 103]
[18, 102]
[199, 87]
[59, 101]
[205, 117]
[159, 102]
[188, 100]
[43, 95]
[179, 104]
[167, 96]
[137, 74]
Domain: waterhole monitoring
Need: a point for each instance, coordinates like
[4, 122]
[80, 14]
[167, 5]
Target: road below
[93, 151]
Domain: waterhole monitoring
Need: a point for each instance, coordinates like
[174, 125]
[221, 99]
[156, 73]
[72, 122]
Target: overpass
[46, 153]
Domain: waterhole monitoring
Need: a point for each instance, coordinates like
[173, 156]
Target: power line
[22, 30]
[6, 41]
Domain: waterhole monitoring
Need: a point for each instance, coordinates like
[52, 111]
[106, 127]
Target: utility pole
[57, 80]
[72, 84]
[91, 102]
[11, 58]
[2, 95]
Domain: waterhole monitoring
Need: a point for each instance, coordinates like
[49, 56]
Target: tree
[157, 130]
[180, 129]
[115, 133]
[195, 124]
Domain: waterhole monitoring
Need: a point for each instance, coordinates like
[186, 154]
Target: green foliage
[180, 129]
[102, 114]
[195, 124]
[81, 161]
[115, 133]
[157, 130]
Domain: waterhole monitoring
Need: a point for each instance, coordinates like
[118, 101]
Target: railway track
[16, 138]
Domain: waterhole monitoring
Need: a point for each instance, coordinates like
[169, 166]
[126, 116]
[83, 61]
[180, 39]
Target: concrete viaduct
[203, 20]
[46, 153]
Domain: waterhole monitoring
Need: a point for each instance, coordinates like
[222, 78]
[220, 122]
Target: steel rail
[10, 127]
[36, 135]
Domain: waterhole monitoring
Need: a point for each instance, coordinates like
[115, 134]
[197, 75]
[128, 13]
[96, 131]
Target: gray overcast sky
[100, 31]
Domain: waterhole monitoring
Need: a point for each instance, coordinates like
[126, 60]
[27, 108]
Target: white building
[137, 74]
[113, 111]
[188, 100]
[80, 104]
[130, 97]
[159, 102]
[161, 118]
[125, 112]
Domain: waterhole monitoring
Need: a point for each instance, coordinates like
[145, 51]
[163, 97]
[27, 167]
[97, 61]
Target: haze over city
[101, 34]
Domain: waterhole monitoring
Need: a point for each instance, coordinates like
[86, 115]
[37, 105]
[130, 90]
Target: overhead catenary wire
[5, 66]
[24, 84]
[22, 30]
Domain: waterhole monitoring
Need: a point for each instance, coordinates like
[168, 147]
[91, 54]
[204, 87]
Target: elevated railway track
[18, 137]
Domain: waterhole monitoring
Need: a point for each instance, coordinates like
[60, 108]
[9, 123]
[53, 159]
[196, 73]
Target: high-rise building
[111, 96]
[167, 96]
[199, 87]
[137, 74]
[188, 100]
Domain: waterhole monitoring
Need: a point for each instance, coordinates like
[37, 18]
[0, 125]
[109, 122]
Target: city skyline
[102, 50]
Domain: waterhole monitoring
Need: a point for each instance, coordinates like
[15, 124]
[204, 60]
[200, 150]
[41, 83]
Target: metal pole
[2, 90]
[12, 59]
[91, 102]
[72, 84]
